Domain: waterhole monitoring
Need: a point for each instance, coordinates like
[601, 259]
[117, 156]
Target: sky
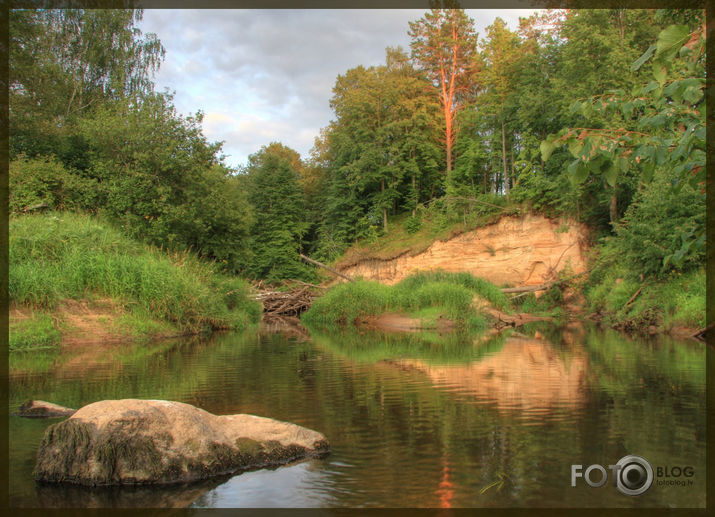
[267, 75]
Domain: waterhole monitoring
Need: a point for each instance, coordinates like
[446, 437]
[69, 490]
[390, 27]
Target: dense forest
[594, 114]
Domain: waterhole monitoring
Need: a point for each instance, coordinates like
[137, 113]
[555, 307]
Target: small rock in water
[125, 442]
[42, 409]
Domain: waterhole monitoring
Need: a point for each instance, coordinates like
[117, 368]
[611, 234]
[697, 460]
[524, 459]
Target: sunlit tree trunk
[384, 208]
[613, 209]
[503, 151]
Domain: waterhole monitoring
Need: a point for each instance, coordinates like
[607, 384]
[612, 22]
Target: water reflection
[70, 496]
[525, 374]
[423, 420]
[305, 484]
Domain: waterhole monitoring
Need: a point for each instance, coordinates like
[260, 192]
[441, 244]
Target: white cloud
[265, 75]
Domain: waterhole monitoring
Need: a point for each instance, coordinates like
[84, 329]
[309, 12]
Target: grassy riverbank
[68, 270]
[675, 304]
[424, 296]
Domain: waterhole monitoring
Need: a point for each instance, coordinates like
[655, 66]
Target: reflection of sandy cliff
[524, 374]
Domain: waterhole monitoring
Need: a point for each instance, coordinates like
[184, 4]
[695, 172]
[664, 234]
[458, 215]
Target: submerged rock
[119, 442]
[42, 409]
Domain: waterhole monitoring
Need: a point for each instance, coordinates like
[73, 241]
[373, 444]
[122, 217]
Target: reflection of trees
[430, 347]
[171, 369]
[653, 392]
[396, 440]
[549, 410]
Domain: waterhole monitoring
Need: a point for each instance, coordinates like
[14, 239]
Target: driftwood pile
[286, 302]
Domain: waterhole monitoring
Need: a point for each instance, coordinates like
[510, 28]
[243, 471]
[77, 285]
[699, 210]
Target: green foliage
[685, 297]
[676, 300]
[664, 300]
[548, 304]
[652, 141]
[67, 62]
[383, 149]
[38, 331]
[90, 134]
[413, 225]
[162, 182]
[45, 181]
[279, 208]
[552, 196]
[483, 288]
[277, 150]
[62, 255]
[647, 237]
[659, 126]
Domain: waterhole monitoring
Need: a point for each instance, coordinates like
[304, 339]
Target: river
[415, 420]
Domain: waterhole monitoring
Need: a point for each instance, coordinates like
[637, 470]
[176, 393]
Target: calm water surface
[419, 420]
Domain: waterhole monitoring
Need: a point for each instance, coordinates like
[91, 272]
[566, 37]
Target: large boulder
[116, 442]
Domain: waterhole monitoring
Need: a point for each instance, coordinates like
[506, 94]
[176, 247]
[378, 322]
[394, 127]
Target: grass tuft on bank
[476, 285]
[449, 294]
[60, 256]
[38, 331]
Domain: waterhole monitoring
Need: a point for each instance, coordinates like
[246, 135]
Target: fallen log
[320, 264]
[39, 206]
[516, 320]
[541, 287]
[528, 288]
[309, 285]
[702, 333]
[285, 303]
[632, 298]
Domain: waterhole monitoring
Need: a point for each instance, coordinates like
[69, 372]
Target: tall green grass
[679, 299]
[38, 331]
[65, 255]
[451, 293]
[476, 285]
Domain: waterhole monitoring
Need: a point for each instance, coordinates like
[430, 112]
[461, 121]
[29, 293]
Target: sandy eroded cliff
[524, 250]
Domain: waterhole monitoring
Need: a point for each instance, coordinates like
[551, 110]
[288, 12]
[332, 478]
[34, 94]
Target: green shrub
[677, 299]
[652, 226]
[44, 180]
[413, 225]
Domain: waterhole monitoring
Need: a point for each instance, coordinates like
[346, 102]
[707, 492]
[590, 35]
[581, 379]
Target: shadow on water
[171, 496]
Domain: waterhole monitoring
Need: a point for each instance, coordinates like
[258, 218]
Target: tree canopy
[597, 114]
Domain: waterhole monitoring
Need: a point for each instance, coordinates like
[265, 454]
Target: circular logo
[635, 475]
